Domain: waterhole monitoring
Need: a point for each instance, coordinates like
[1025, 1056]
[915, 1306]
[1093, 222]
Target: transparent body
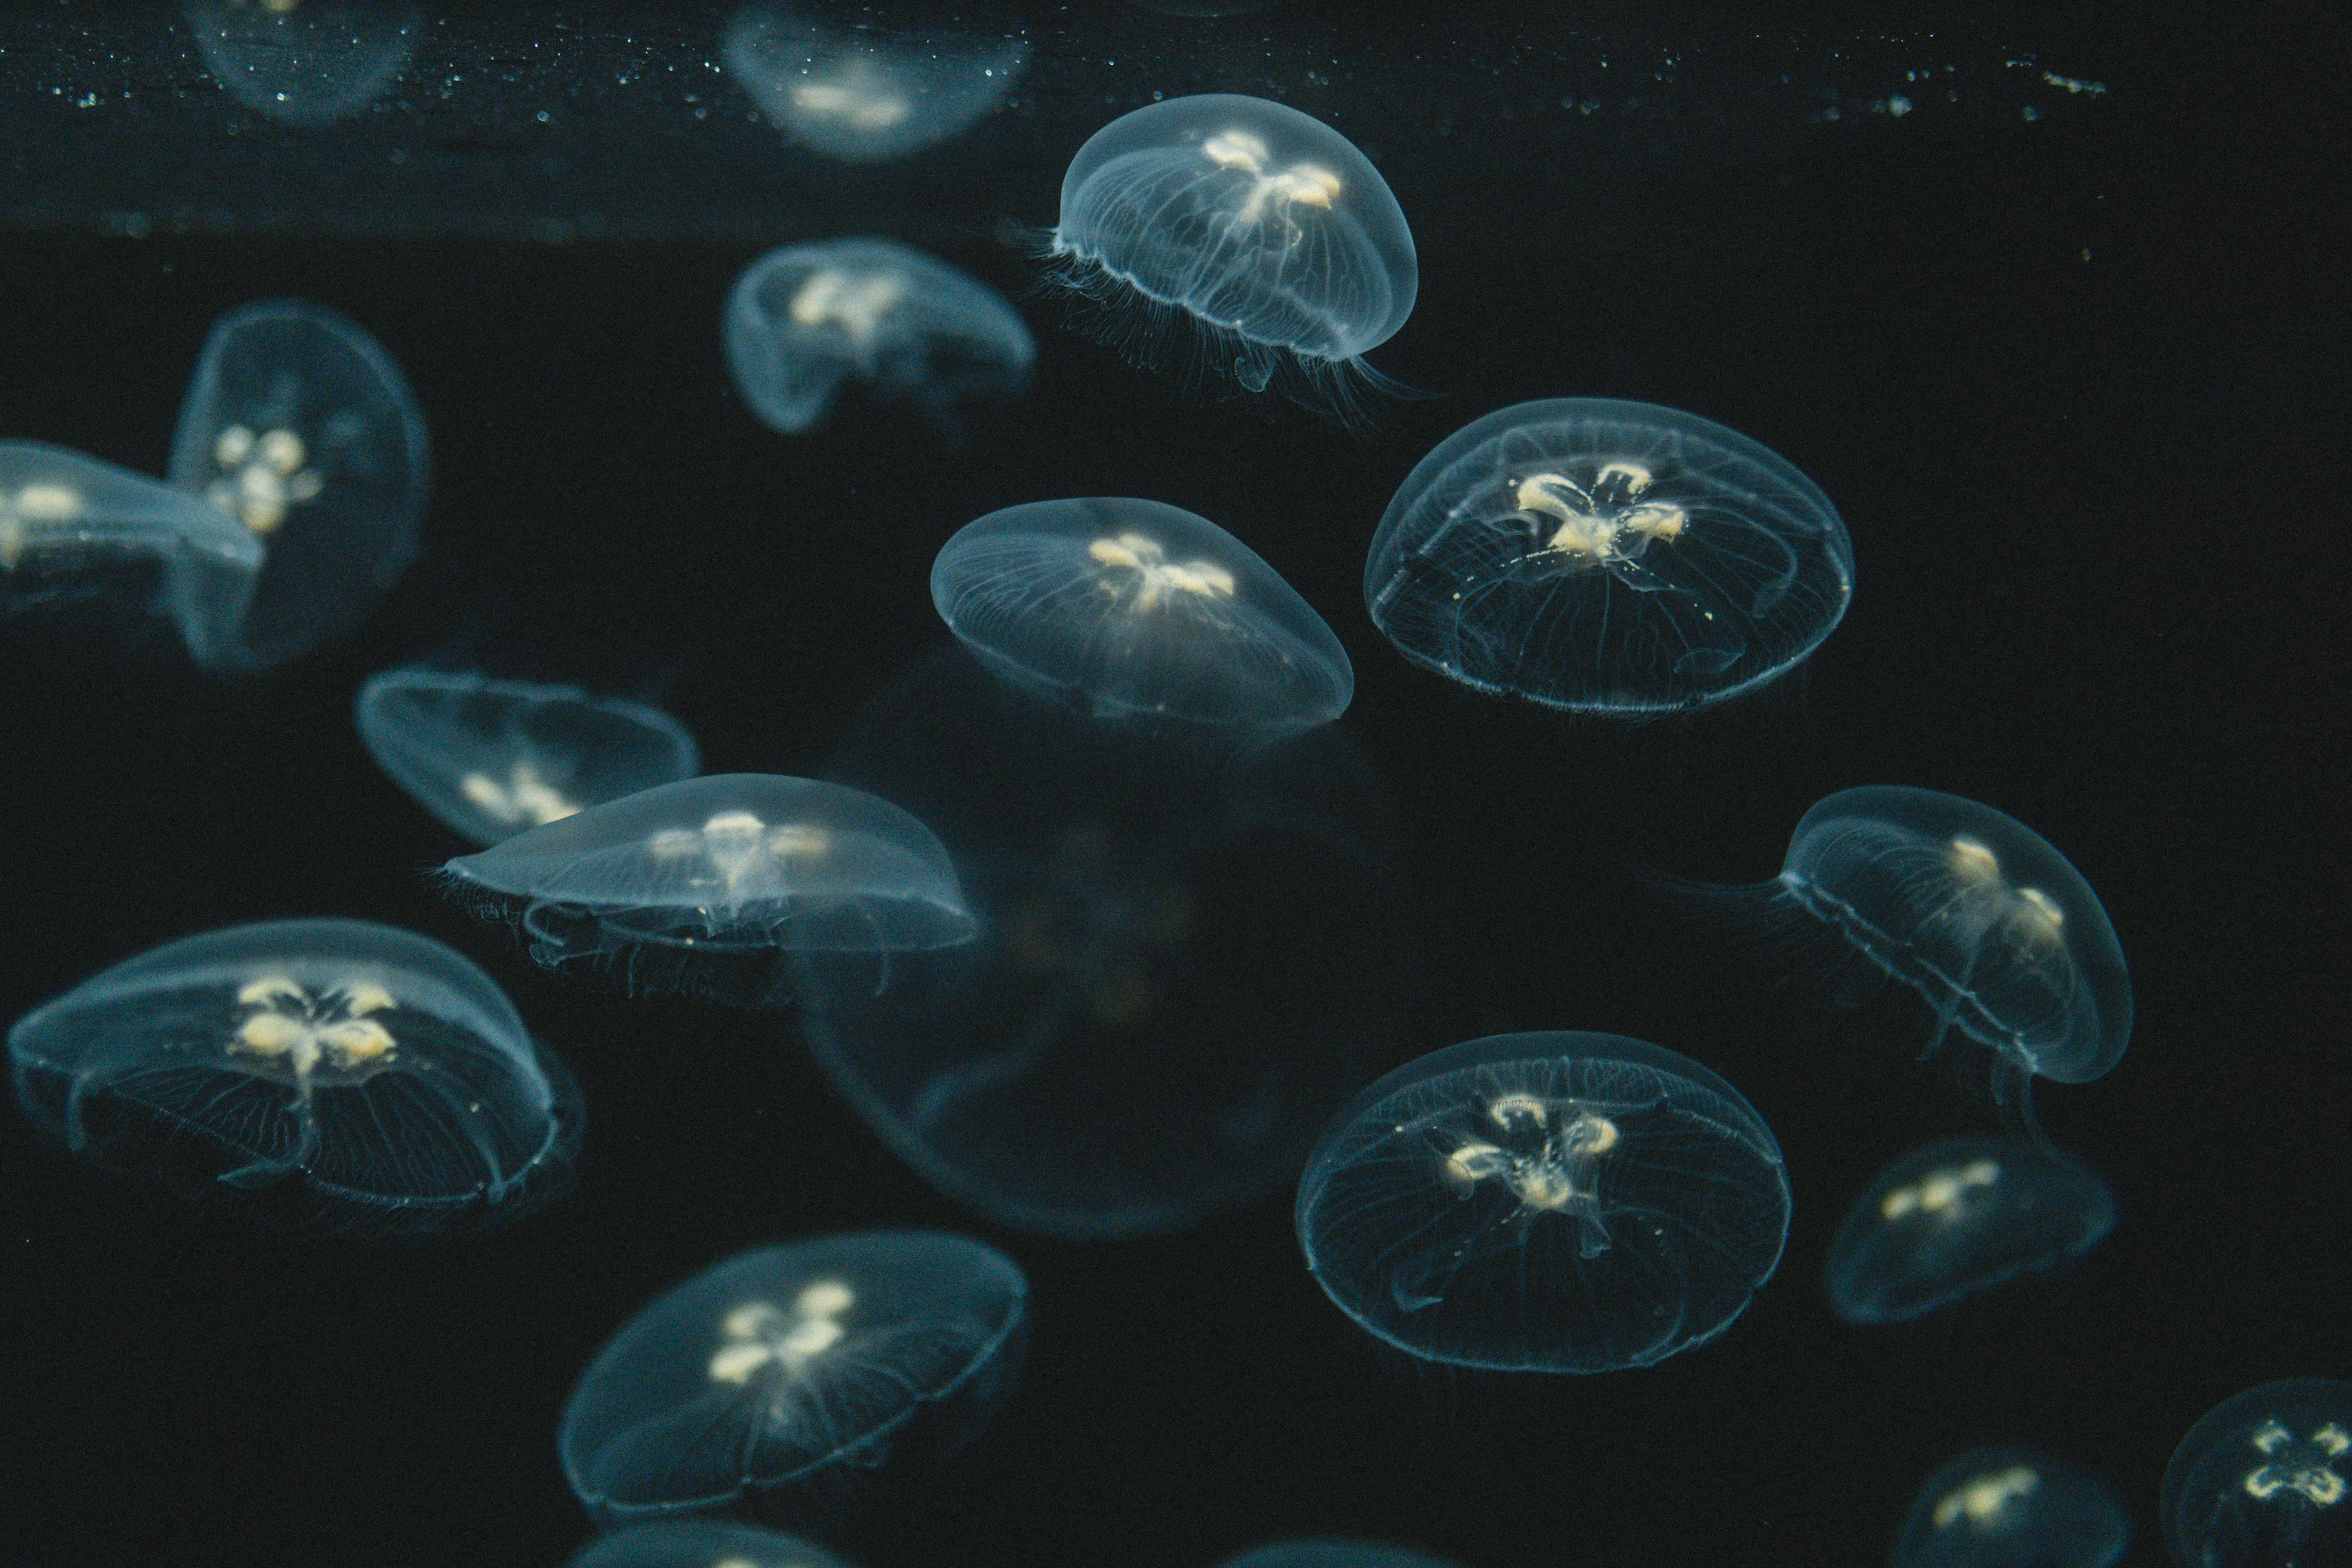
[493, 758]
[782, 1374]
[1961, 1216]
[1134, 610]
[1556, 1202]
[858, 99]
[73, 526]
[2264, 1480]
[2012, 1508]
[330, 1071]
[1181, 970]
[1332, 1553]
[805, 319]
[694, 1543]
[299, 425]
[704, 884]
[1607, 557]
[305, 62]
[1259, 234]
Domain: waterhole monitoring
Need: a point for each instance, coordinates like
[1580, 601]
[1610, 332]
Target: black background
[2073, 383]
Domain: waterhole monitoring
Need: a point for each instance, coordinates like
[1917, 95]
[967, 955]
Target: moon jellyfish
[329, 1072]
[1244, 233]
[1556, 1201]
[1961, 1216]
[305, 62]
[782, 1379]
[695, 1544]
[1334, 1554]
[704, 887]
[2264, 1480]
[1133, 610]
[491, 758]
[299, 425]
[804, 318]
[2012, 1508]
[1184, 963]
[863, 102]
[1607, 557]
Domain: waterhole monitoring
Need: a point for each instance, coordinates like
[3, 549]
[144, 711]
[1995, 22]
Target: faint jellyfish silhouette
[298, 425]
[783, 1379]
[1554, 1202]
[492, 758]
[1137, 611]
[329, 1073]
[864, 98]
[697, 1543]
[71, 527]
[2262, 1480]
[1334, 1553]
[1969, 908]
[1607, 557]
[1241, 233]
[1183, 965]
[804, 318]
[1961, 1216]
[2012, 1508]
[706, 886]
[305, 62]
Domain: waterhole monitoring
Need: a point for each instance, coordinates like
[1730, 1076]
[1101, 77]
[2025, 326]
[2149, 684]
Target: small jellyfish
[863, 102]
[2264, 1480]
[1242, 230]
[804, 319]
[697, 1543]
[492, 758]
[1961, 1216]
[1557, 1201]
[1331, 1554]
[780, 1379]
[704, 887]
[1609, 558]
[2012, 1508]
[1967, 907]
[305, 62]
[299, 425]
[329, 1072]
[1134, 610]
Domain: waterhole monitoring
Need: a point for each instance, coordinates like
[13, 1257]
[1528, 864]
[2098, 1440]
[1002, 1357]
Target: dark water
[2073, 380]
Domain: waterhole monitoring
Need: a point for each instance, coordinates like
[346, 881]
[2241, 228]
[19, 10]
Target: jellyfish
[804, 319]
[492, 758]
[1968, 908]
[2012, 1508]
[330, 1073]
[863, 102]
[704, 887]
[1608, 558]
[699, 1543]
[1244, 233]
[1961, 1216]
[1333, 1553]
[305, 62]
[1184, 963]
[300, 427]
[1138, 610]
[1556, 1202]
[780, 1380]
[2264, 1480]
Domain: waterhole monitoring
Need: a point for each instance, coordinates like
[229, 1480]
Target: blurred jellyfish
[1556, 1202]
[1607, 557]
[2264, 1480]
[305, 62]
[1333, 1554]
[1242, 230]
[1961, 1216]
[705, 887]
[1181, 967]
[2012, 1508]
[491, 758]
[694, 1543]
[1135, 610]
[804, 319]
[863, 98]
[298, 425]
[329, 1072]
[781, 1380]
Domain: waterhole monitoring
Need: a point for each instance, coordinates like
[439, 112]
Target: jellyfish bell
[861, 97]
[305, 63]
[703, 1544]
[1998, 1506]
[2264, 1479]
